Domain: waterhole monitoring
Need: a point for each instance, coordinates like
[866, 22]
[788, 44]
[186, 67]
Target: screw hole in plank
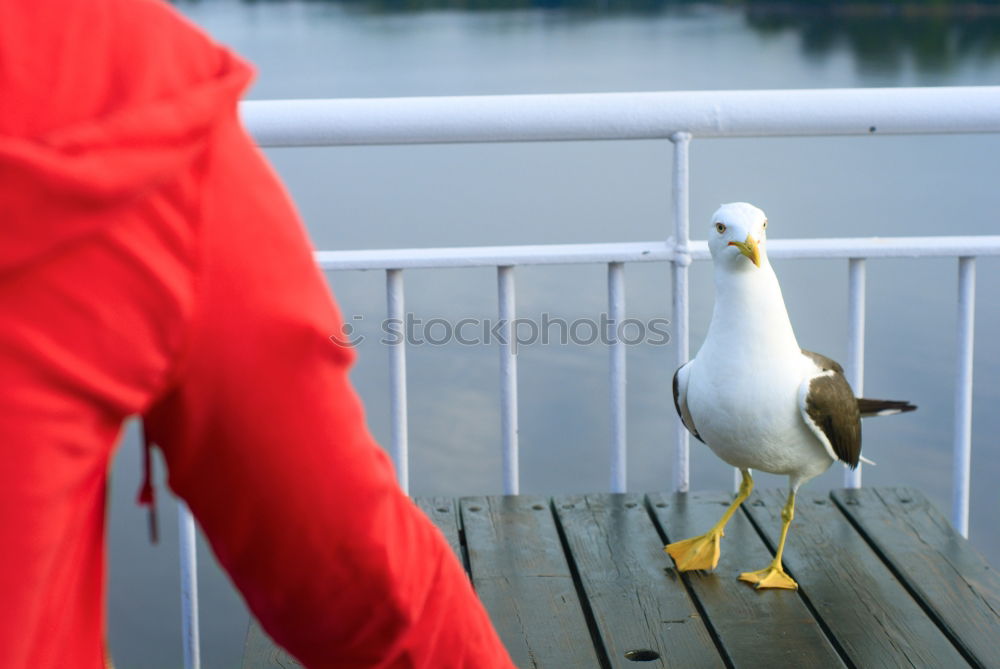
[642, 655]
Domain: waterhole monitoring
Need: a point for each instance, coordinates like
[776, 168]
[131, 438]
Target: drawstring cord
[147, 494]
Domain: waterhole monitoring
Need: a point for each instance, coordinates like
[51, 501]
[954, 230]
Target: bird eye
[720, 228]
[764, 227]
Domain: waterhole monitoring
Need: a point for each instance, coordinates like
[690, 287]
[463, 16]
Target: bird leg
[774, 576]
[703, 552]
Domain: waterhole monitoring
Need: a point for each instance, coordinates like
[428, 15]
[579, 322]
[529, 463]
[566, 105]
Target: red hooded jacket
[151, 263]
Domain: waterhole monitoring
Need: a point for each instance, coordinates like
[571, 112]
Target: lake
[389, 197]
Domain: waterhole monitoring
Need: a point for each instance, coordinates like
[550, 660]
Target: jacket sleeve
[266, 441]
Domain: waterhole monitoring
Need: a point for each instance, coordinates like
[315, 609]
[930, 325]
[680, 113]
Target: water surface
[372, 197]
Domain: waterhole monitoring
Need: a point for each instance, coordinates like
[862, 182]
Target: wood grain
[637, 607]
[581, 581]
[521, 575]
[874, 619]
[935, 562]
[444, 513]
[757, 628]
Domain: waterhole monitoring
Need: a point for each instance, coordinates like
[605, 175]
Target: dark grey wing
[822, 361]
[869, 407]
[680, 401]
[830, 409]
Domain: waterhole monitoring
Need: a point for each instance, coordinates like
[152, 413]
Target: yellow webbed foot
[697, 552]
[770, 577]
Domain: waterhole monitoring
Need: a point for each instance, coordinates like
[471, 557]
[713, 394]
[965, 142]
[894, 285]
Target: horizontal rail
[552, 254]
[494, 256]
[618, 116]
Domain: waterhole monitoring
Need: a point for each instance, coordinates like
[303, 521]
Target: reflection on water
[883, 39]
[934, 36]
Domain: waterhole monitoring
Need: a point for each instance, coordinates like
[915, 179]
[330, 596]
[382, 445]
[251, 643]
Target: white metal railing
[855, 250]
[545, 118]
[678, 117]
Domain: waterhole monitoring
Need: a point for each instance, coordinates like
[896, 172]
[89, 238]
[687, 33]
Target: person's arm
[266, 441]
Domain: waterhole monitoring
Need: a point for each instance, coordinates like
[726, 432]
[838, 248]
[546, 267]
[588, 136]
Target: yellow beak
[749, 248]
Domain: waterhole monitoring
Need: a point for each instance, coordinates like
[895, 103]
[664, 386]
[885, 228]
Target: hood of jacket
[98, 108]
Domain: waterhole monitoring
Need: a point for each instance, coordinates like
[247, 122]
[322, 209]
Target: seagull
[757, 399]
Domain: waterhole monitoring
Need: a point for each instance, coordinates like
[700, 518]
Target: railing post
[398, 446]
[616, 380]
[508, 379]
[189, 587]
[856, 275]
[963, 393]
[682, 259]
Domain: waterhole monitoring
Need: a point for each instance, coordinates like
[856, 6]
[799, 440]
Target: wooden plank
[951, 578]
[522, 577]
[757, 628]
[874, 619]
[618, 554]
[444, 513]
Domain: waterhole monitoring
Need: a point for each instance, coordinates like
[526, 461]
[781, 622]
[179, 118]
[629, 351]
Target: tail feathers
[869, 407]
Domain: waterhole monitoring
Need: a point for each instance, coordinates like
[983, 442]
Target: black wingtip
[869, 407]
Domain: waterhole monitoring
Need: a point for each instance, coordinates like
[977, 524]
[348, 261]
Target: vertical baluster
[616, 380]
[398, 447]
[856, 275]
[189, 587]
[508, 379]
[682, 259]
[963, 393]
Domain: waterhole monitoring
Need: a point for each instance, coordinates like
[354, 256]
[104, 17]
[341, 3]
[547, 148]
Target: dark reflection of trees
[935, 35]
[883, 37]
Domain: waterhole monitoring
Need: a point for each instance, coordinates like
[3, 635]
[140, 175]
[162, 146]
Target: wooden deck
[582, 581]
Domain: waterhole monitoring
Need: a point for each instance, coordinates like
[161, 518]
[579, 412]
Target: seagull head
[737, 235]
